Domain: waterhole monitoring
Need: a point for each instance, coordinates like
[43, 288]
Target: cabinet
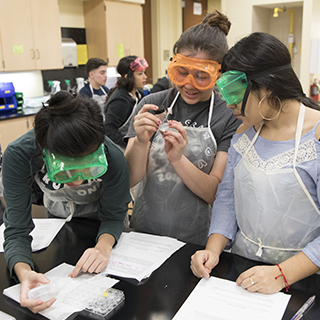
[113, 29]
[30, 35]
[1, 66]
[13, 128]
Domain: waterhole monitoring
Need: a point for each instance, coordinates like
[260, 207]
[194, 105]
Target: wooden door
[124, 37]
[47, 34]
[16, 35]
[188, 13]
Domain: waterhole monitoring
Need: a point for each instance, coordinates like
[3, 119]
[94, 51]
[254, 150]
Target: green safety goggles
[235, 86]
[62, 169]
[232, 86]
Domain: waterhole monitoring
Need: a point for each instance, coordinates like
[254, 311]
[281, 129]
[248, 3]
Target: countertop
[30, 107]
[7, 115]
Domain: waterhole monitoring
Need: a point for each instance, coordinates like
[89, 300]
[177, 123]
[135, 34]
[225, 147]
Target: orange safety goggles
[202, 74]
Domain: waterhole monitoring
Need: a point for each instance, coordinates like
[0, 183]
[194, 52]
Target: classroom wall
[244, 17]
[214, 4]
[166, 28]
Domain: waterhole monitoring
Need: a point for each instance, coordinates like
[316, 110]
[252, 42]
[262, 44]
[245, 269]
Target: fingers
[200, 264]
[38, 305]
[250, 280]
[92, 261]
[145, 123]
[178, 136]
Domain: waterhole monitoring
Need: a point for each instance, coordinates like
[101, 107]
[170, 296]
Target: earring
[265, 118]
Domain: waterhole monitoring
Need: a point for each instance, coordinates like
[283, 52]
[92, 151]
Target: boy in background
[94, 87]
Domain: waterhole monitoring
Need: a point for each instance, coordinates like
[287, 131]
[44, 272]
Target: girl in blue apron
[267, 205]
[180, 168]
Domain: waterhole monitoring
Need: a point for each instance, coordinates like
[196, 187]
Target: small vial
[164, 126]
[44, 292]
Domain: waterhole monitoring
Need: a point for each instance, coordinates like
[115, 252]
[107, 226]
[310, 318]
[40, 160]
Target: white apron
[100, 99]
[276, 215]
[164, 205]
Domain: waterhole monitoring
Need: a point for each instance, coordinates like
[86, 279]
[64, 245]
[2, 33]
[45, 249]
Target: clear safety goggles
[232, 86]
[62, 169]
[139, 64]
[202, 74]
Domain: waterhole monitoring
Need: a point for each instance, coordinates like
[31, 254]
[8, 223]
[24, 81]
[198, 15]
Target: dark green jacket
[21, 163]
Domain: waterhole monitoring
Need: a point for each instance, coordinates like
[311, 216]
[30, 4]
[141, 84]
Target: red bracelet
[284, 278]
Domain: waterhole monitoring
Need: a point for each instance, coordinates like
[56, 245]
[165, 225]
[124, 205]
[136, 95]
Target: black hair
[126, 80]
[260, 52]
[208, 36]
[70, 125]
[94, 63]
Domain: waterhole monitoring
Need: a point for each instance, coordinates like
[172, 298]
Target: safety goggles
[62, 169]
[232, 86]
[202, 74]
[235, 86]
[139, 64]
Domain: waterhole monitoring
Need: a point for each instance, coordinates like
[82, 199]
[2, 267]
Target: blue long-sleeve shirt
[275, 153]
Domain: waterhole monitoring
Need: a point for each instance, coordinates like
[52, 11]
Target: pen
[304, 308]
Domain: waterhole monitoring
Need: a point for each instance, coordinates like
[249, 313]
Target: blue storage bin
[7, 98]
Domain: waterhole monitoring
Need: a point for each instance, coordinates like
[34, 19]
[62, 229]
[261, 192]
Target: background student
[267, 205]
[181, 168]
[81, 173]
[124, 97]
[94, 87]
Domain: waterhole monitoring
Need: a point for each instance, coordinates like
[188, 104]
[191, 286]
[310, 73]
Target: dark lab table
[160, 296]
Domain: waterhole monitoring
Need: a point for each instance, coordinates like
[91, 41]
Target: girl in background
[124, 97]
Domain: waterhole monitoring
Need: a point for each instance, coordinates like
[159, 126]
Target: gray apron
[68, 202]
[164, 205]
[276, 214]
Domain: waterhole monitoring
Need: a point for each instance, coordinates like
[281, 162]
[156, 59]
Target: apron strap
[296, 149]
[298, 132]
[254, 139]
[261, 246]
[91, 89]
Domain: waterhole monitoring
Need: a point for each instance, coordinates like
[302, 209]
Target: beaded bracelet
[284, 278]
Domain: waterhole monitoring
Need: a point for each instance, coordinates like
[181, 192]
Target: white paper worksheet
[73, 293]
[44, 232]
[219, 299]
[137, 255]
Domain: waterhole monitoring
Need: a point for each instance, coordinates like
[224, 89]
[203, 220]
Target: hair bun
[217, 19]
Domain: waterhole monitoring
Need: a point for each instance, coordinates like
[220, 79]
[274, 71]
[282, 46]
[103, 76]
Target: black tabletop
[158, 297]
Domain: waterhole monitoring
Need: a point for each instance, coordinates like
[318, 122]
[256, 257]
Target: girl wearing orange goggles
[182, 166]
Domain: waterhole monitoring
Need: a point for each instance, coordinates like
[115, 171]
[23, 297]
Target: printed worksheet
[43, 233]
[137, 255]
[219, 299]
